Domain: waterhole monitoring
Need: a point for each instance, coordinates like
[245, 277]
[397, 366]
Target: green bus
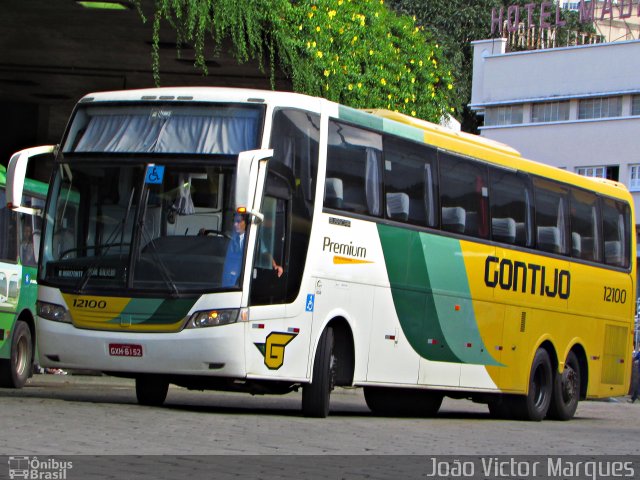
[19, 245]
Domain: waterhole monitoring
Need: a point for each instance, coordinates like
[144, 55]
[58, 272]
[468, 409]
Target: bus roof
[442, 135]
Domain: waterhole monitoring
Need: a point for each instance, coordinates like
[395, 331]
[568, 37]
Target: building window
[603, 107]
[634, 177]
[610, 173]
[635, 105]
[550, 112]
[508, 115]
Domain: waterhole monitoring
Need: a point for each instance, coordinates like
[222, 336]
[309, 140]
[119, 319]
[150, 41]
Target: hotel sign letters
[542, 16]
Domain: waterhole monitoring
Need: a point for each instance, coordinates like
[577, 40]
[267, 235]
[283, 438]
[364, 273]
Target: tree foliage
[356, 52]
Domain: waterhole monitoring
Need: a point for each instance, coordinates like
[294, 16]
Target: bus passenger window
[616, 232]
[585, 222]
[354, 156]
[511, 207]
[552, 216]
[408, 180]
[464, 190]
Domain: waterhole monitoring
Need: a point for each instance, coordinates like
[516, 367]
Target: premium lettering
[527, 278]
[343, 248]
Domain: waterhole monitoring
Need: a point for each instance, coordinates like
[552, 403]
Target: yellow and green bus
[416, 262]
[19, 245]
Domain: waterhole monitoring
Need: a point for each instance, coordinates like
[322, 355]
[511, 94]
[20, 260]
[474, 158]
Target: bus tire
[402, 402]
[566, 390]
[151, 390]
[15, 371]
[535, 405]
[315, 395]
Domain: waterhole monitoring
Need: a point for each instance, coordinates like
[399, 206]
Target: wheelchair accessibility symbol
[310, 300]
[154, 175]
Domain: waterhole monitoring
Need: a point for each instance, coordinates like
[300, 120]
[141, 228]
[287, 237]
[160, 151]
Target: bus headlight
[213, 318]
[52, 311]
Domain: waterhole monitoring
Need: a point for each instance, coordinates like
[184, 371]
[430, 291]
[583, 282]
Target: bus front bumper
[215, 351]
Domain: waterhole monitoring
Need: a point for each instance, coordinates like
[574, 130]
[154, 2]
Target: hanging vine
[356, 52]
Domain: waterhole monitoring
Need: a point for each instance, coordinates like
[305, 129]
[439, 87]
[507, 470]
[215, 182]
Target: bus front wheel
[16, 370]
[315, 395]
[151, 390]
[566, 390]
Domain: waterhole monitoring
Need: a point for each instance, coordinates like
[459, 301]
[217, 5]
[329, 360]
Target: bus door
[280, 342]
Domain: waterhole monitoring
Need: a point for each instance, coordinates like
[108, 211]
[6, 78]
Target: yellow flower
[340, 2]
[326, 73]
[370, 52]
[300, 28]
[319, 54]
[317, 29]
[313, 7]
[413, 113]
[383, 81]
[406, 100]
[359, 84]
[420, 63]
[449, 86]
[310, 14]
[313, 44]
[350, 86]
[389, 96]
[413, 79]
[332, 13]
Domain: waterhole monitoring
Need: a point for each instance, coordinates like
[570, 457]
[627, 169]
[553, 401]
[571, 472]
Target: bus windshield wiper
[106, 245]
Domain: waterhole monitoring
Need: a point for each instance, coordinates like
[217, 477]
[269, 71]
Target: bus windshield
[158, 228]
[157, 128]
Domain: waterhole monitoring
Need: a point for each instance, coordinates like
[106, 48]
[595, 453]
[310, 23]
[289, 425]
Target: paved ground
[99, 415]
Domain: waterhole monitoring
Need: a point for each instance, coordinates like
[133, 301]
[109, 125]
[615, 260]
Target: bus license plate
[125, 350]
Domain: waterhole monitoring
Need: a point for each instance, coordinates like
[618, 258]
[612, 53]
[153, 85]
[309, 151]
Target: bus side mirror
[250, 176]
[16, 174]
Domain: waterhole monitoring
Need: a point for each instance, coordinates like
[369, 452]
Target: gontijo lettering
[344, 248]
[526, 278]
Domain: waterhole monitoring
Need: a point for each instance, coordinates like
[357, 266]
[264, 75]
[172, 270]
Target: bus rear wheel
[151, 390]
[535, 405]
[315, 395]
[15, 371]
[402, 402]
[566, 390]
